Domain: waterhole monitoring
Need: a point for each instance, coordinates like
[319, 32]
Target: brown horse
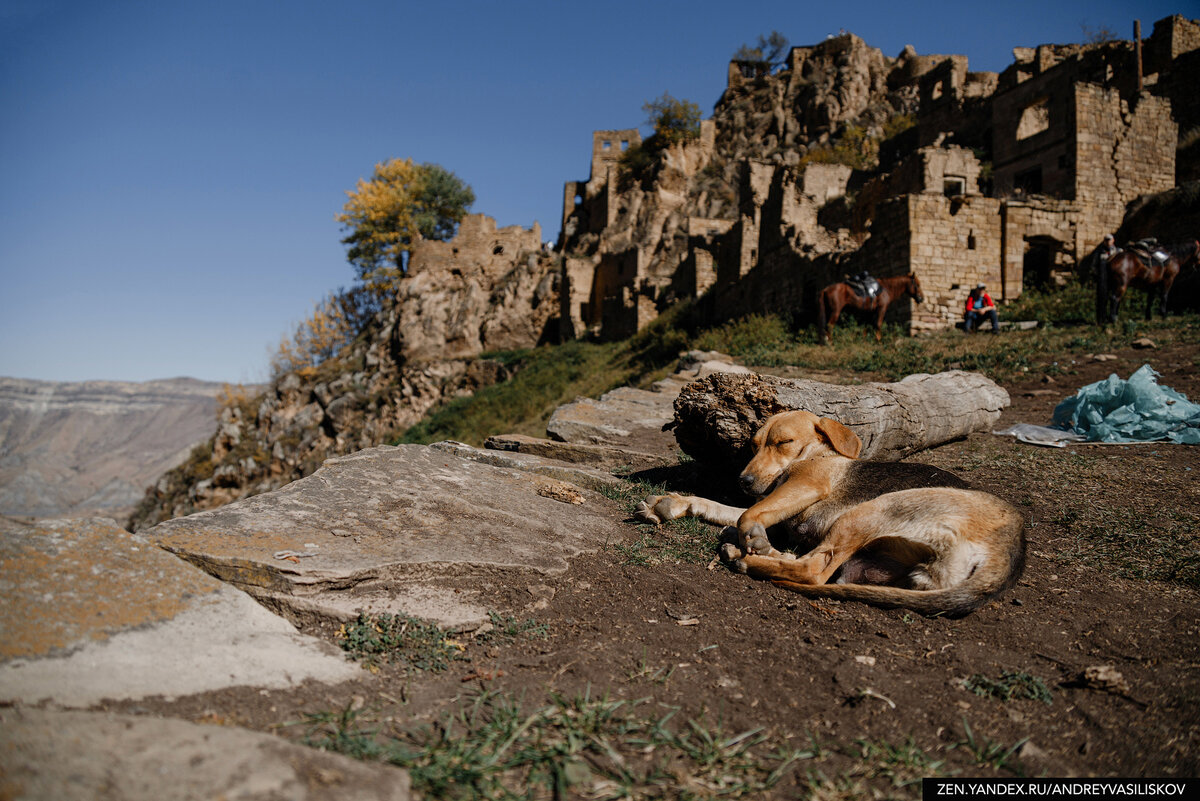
[836, 297]
[1126, 269]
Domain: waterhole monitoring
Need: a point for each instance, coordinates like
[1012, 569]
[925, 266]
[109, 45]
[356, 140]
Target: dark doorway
[1039, 257]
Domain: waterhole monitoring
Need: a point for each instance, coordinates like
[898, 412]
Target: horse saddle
[865, 286]
[1148, 250]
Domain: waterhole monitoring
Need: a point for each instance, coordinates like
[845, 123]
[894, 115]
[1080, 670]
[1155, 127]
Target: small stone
[1144, 343]
[1104, 677]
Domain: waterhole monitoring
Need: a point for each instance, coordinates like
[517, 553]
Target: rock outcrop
[488, 289]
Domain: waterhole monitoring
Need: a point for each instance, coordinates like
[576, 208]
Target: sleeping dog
[888, 533]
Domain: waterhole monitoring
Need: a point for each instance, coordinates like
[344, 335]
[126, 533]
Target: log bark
[715, 417]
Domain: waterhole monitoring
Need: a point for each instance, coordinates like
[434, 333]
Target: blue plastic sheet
[1137, 410]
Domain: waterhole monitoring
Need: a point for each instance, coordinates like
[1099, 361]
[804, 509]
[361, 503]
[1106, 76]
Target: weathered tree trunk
[715, 417]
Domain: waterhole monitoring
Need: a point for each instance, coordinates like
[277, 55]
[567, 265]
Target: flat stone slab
[551, 468]
[89, 611]
[605, 457]
[631, 417]
[83, 756]
[408, 529]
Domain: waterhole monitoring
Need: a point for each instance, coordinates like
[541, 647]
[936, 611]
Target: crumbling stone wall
[590, 206]
[1172, 37]
[1119, 154]
[1042, 241]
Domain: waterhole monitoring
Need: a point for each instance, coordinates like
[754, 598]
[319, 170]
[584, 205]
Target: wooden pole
[1137, 50]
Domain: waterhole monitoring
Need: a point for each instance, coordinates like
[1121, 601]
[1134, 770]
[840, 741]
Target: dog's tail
[981, 586]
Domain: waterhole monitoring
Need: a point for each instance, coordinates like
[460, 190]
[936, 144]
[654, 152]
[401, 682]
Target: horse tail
[1102, 268]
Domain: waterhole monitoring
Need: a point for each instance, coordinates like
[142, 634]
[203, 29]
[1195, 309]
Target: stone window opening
[624, 144]
[498, 250]
[970, 241]
[1028, 182]
[606, 145]
[937, 90]
[1035, 118]
[954, 185]
[578, 200]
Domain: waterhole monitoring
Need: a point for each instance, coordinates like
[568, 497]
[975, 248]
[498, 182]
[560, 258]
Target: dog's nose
[747, 482]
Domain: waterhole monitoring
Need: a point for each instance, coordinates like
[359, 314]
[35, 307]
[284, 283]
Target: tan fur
[957, 547]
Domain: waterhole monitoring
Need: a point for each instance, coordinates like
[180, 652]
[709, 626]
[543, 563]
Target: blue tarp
[1137, 410]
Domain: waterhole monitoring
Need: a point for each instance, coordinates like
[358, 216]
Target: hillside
[92, 448]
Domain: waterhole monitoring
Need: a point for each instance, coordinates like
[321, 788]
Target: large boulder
[403, 530]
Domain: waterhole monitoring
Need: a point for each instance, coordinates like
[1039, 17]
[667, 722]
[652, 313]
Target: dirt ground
[1111, 580]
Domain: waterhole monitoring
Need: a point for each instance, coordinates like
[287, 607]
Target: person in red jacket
[979, 305]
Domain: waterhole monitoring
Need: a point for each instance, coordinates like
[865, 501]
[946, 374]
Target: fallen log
[715, 417]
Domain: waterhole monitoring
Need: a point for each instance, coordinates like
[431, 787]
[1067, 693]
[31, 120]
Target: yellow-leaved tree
[401, 204]
[334, 323]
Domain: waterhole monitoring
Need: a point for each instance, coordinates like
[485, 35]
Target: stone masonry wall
[955, 244]
[1053, 228]
[1119, 155]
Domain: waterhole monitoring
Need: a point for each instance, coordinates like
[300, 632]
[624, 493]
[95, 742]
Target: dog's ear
[843, 440]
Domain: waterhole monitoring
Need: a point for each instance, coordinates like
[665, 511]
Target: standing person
[1098, 259]
[979, 305]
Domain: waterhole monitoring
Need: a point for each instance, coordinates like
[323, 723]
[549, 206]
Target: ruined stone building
[1010, 179]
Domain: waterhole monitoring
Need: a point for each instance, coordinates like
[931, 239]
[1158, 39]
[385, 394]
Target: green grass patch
[991, 753]
[1158, 544]
[551, 375]
[687, 540]
[491, 747]
[421, 646]
[416, 644]
[1010, 685]
[506, 628]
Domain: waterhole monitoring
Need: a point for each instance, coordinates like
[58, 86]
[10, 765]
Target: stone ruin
[1010, 179]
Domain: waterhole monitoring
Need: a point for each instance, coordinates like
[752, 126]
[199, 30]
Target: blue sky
[169, 171]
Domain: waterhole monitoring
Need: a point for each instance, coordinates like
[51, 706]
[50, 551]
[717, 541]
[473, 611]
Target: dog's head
[790, 437]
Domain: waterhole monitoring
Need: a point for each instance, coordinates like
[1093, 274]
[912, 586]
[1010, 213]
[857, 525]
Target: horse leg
[1168, 282]
[833, 318]
[1114, 303]
[879, 323]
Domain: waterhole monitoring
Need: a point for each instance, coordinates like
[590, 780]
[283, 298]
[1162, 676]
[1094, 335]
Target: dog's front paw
[659, 508]
[755, 540]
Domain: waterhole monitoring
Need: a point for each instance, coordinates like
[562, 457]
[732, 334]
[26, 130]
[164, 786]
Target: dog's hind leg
[659, 508]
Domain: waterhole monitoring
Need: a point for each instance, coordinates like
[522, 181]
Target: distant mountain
[92, 447]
